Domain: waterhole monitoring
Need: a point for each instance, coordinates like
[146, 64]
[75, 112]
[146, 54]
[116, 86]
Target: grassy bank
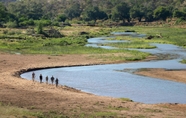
[74, 38]
[15, 112]
[19, 41]
[166, 35]
[169, 35]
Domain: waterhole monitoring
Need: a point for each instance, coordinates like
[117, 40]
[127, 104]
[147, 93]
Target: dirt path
[67, 101]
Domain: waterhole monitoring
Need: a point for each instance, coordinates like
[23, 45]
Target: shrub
[180, 20]
[11, 24]
[55, 23]
[52, 33]
[27, 22]
[5, 31]
[39, 28]
[43, 22]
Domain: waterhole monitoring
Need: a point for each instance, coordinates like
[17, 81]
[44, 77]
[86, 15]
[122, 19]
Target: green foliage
[86, 11]
[56, 23]
[161, 13]
[26, 22]
[73, 12]
[39, 28]
[137, 12]
[180, 20]
[121, 12]
[53, 33]
[3, 13]
[61, 18]
[180, 14]
[66, 23]
[169, 35]
[134, 44]
[43, 22]
[30, 9]
[183, 61]
[148, 15]
[11, 24]
[18, 112]
[68, 45]
[66, 41]
[74, 43]
[92, 13]
[14, 33]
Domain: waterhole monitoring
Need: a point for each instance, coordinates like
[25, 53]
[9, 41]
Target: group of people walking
[41, 79]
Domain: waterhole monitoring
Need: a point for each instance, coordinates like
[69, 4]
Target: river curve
[110, 80]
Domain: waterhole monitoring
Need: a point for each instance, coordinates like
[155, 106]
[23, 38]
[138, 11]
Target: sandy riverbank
[41, 97]
[173, 75]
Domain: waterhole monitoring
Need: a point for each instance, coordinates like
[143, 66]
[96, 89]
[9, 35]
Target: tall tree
[61, 18]
[3, 13]
[179, 14]
[29, 9]
[161, 13]
[93, 13]
[148, 15]
[121, 12]
[73, 12]
[137, 12]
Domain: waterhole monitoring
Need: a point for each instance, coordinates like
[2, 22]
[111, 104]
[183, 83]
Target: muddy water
[111, 80]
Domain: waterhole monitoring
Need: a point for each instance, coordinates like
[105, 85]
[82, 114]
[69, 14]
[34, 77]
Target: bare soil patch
[64, 100]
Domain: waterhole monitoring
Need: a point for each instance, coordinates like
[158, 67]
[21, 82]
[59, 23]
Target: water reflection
[108, 80]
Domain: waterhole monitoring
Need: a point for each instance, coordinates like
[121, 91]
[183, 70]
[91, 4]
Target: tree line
[20, 13]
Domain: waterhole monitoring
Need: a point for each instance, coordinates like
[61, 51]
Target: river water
[110, 79]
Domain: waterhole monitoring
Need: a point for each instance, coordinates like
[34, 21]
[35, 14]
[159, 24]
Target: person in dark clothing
[33, 76]
[46, 79]
[52, 79]
[40, 77]
[57, 82]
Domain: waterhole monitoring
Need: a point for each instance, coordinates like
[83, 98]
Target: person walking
[33, 76]
[52, 79]
[46, 79]
[56, 82]
[40, 77]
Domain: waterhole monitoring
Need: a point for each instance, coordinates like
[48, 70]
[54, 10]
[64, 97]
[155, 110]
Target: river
[110, 79]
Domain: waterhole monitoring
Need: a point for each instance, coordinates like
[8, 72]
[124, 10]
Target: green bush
[5, 31]
[55, 23]
[43, 22]
[39, 28]
[180, 20]
[53, 33]
[11, 24]
[29, 22]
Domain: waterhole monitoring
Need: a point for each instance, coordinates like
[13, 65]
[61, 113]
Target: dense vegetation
[19, 13]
